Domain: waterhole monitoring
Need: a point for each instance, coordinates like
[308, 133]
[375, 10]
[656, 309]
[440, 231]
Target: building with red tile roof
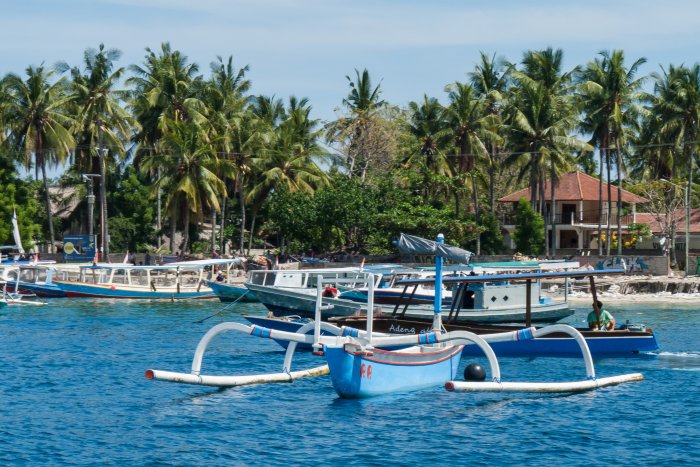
[576, 202]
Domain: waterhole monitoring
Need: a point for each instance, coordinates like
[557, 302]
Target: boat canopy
[519, 276]
[409, 244]
[182, 265]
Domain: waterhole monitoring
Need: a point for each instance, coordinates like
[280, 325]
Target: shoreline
[621, 289]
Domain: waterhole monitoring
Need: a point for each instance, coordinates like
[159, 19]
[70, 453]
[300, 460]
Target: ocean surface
[73, 392]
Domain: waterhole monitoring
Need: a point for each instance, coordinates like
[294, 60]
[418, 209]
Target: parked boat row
[364, 363]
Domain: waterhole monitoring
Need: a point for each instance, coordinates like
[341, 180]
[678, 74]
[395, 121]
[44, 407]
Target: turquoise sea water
[73, 392]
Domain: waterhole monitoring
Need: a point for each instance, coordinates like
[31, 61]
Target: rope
[224, 308]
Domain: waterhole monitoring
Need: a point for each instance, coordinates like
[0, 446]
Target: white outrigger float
[362, 363]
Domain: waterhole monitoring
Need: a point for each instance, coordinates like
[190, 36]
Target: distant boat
[173, 281]
[232, 292]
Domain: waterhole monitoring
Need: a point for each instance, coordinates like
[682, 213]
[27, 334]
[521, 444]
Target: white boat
[294, 293]
[172, 281]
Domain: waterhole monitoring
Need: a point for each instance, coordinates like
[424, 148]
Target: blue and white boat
[174, 281]
[360, 365]
[232, 292]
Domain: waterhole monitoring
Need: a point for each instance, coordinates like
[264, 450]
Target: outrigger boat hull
[356, 373]
[232, 292]
[625, 342]
[82, 290]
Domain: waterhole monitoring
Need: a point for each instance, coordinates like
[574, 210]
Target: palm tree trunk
[241, 205]
[186, 232]
[221, 227]
[173, 228]
[475, 190]
[252, 229]
[47, 199]
[600, 204]
[608, 243]
[213, 230]
[619, 201]
[552, 211]
[159, 215]
[492, 176]
[545, 213]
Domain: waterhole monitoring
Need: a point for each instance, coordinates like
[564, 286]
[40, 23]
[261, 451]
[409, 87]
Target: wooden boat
[38, 279]
[293, 292]
[495, 301]
[173, 281]
[627, 339]
[232, 292]
[360, 365]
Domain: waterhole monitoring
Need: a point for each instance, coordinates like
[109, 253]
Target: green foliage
[22, 196]
[529, 229]
[133, 213]
[491, 236]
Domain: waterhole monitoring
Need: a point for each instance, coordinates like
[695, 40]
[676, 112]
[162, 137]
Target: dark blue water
[73, 392]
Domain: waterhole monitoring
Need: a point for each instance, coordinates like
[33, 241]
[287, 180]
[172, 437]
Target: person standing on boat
[600, 319]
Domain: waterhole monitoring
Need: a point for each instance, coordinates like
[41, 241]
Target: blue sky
[306, 47]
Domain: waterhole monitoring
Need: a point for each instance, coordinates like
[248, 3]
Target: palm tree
[609, 98]
[361, 133]
[166, 90]
[226, 112]
[187, 171]
[676, 109]
[490, 80]
[101, 119]
[427, 125]
[541, 120]
[39, 126]
[289, 162]
[467, 118]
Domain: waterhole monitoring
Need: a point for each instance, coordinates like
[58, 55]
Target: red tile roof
[576, 186]
[655, 226]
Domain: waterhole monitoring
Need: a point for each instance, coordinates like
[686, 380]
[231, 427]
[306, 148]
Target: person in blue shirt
[602, 321]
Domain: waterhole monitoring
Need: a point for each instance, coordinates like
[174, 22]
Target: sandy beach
[609, 289]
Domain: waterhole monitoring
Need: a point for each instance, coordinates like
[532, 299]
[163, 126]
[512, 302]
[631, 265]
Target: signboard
[79, 247]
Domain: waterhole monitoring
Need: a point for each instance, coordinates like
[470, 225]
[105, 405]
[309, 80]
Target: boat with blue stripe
[173, 281]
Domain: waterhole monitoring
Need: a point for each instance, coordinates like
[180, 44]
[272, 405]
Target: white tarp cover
[409, 244]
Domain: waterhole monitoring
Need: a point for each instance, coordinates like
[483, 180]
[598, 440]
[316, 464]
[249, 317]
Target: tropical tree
[103, 124]
[490, 80]
[610, 94]
[187, 169]
[529, 229]
[228, 118]
[288, 163]
[467, 118]
[35, 111]
[166, 91]
[541, 118]
[362, 135]
[676, 109]
[428, 126]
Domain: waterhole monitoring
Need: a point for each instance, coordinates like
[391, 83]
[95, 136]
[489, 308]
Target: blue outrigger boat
[360, 365]
[173, 281]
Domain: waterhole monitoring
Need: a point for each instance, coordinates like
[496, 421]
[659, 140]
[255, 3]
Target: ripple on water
[74, 392]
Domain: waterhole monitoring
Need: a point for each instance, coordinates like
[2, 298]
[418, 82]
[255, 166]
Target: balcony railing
[585, 217]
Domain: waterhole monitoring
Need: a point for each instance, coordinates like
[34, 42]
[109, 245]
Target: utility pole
[89, 178]
[103, 192]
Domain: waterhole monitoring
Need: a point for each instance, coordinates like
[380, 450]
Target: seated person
[604, 322]
[220, 277]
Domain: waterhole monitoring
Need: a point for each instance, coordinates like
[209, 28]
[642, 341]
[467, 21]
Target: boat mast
[437, 303]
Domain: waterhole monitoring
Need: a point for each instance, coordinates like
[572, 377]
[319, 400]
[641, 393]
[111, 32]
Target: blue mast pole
[437, 303]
